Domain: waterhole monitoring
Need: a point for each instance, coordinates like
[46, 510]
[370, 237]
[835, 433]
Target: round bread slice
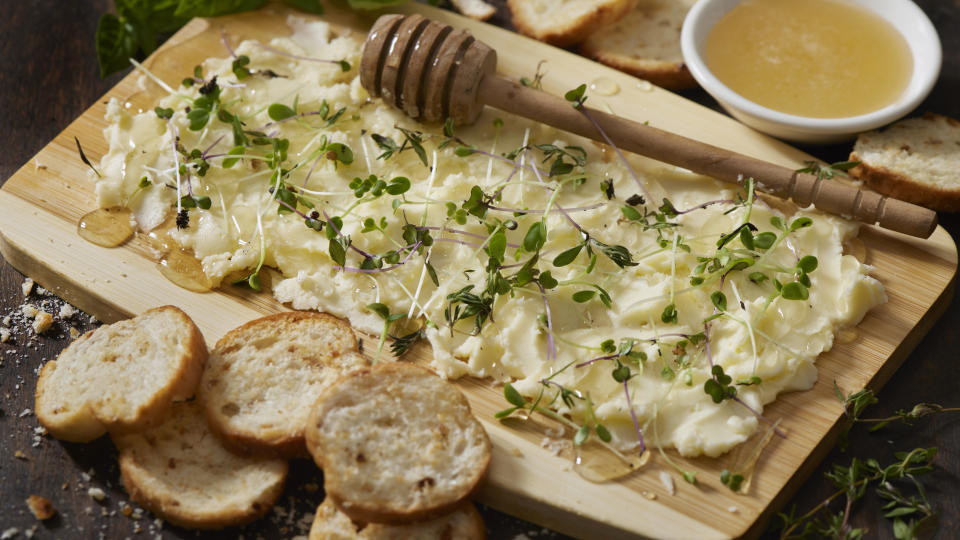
[121, 377]
[464, 523]
[397, 444]
[262, 379]
[915, 160]
[645, 43]
[181, 472]
[565, 22]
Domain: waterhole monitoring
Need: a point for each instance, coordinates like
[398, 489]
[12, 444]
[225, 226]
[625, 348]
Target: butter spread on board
[645, 268]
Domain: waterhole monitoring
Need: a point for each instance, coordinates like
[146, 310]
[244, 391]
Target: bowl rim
[924, 38]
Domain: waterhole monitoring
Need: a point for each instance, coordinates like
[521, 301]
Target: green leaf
[116, 44]
[380, 309]
[279, 111]
[230, 162]
[341, 153]
[337, 251]
[312, 6]
[505, 413]
[398, 185]
[746, 238]
[800, 223]
[631, 213]
[808, 263]
[764, 240]
[513, 396]
[583, 296]
[568, 256]
[719, 300]
[254, 281]
[212, 8]
[535, 238]
[373, 4]
[618, 254]
[198, 118]
[576, 95]
[547, 280]
[603, 433]
[794, 291]
[166, 114]
[669, 314]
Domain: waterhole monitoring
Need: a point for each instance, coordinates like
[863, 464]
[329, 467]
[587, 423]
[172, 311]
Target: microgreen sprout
[827, 172]
[388, 318]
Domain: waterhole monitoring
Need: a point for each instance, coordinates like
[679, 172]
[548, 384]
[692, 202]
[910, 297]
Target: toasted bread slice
[262, 379]
[397, 444]
[565, 22]
[475, 9]
[121, 377]
[464, 523]
[181, 472]
[916, 160]
[645, 43]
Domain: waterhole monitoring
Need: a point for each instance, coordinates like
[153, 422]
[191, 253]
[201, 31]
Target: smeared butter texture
[778, 345]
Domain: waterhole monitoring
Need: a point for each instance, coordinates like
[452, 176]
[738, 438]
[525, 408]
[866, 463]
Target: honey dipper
[433, 72]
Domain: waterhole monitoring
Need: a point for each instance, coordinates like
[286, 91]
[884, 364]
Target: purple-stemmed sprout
[223, 39]
[205, 155]
[551, 346]
[341, 63]
[620, 155]
[701, 206]
[458, 231]
[412, 247]
[336, 230]
[633, 416]
[526, 211]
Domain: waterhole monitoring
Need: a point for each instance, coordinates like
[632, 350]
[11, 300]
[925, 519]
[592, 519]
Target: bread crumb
[733, 509]
[26, 412]
[42, 322]
[67, 311]
[9, 533]
[667, 482]
[516, 452]
[96, 494]
[4, 335]
[74, 333]
[29, 310]
[27, 286]
[649, 496]
[41, 507]
[126, 509]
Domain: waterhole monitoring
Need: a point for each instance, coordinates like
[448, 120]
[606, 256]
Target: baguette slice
[646, 43]
[916, 160]
[181, 472]
[262, 379]
[475, 9]
[397, 444]
[122, 377]
[464, 523]
[565, 22]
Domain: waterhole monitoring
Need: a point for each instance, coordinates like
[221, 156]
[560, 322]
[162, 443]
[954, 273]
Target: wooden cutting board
[42, 203]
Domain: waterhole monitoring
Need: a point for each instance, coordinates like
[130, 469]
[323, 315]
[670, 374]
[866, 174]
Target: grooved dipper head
[425, 68]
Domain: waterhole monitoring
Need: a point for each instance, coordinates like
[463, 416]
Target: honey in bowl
[812, 58]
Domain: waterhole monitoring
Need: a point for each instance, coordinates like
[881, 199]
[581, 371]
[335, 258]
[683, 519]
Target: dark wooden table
[48, 76]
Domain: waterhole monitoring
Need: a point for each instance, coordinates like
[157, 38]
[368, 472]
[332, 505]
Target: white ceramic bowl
[904, 15]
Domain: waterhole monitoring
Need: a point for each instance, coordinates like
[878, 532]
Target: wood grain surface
[33, 113]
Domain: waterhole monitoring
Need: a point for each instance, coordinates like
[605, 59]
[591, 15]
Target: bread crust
[363, 509]
[669, 75]
[139, 453]
[281, 441]
[90, 419]
[462, 523]
[899, 184]
[577, 29]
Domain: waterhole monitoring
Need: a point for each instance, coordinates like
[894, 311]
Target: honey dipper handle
[804, 189]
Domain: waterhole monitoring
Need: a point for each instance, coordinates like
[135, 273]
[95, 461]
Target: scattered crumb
[40, 507]
[733, 509]
[67, 311]
[42, 322]
[97, 494]
[126, 510]
[29, 310]
[668, 483]
[556, 446]
[649, 496]
[25, 412]
[4, 335]
[9, 533]
[27, 286]
[516, 452]
[74, 333]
